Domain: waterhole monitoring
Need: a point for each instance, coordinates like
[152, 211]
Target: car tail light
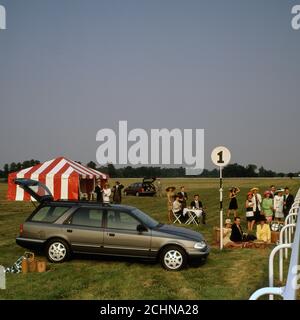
[21, 229]
[142, 190]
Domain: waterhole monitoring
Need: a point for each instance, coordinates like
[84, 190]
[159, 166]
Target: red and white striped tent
[65, 178]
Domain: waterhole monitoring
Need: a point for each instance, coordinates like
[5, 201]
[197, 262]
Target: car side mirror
[141, 228]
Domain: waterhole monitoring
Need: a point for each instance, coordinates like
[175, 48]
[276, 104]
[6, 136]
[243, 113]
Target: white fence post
[291, 228]
[2, 278]
[288, 226]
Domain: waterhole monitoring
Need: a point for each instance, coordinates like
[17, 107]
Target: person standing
[267, 207]
[170, 199]
[117, 192]
[272, 191]
[106, 193]
[184, 196]
[278, 204]
[249, 211]
[99, 192]
[233, 204]
[256, 199]
[158, 188]
[288, 200]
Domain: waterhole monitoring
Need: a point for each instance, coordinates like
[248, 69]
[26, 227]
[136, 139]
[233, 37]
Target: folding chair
[192, 218]
[177, 217]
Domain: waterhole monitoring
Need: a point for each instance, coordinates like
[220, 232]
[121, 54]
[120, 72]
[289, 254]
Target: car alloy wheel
[137, 194]
[173, 259]
[57, 251]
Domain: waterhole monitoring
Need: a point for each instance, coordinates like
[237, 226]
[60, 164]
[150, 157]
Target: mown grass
[230, 274]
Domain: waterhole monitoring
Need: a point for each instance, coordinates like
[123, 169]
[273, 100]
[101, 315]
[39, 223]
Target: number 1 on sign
[220, 154]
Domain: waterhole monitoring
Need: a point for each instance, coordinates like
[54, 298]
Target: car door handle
[69, 230]
[111, 234]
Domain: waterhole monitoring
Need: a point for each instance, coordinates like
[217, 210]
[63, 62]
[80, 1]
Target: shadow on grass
[129, 260]
[104, 258]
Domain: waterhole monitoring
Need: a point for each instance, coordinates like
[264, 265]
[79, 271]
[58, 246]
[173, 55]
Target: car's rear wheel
[137, 194]
[57, 250]
[125, 193]
[173, 258]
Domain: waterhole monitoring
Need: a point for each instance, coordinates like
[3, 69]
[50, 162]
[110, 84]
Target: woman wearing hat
[263, 231]
[233, 204]
[106, 193]
[170, 199]
[278, 204]
[249, 211]
[256, 199]
[267, 206]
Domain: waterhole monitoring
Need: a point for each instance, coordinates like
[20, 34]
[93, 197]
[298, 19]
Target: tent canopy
[64, 178]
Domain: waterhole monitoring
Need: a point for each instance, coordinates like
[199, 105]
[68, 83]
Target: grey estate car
[60, 228]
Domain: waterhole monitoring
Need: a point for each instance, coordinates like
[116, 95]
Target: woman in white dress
[106, 193]
[256, 200]
[278, 204]
[249, 211]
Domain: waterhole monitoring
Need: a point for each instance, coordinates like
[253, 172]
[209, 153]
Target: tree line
[234, 170]
[17, 166]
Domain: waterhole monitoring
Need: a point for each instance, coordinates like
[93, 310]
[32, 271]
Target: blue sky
[71, 67]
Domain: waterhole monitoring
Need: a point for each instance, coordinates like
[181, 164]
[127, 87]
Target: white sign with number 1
[221, 156]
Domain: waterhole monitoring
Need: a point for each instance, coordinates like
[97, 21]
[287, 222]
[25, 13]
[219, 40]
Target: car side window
[49, 214]
[121, 220]
[87, 217]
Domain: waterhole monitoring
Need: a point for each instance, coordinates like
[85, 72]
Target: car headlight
[200, 245]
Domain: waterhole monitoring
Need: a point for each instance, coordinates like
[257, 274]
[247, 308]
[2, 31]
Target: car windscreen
[48, 214]
[147, 220]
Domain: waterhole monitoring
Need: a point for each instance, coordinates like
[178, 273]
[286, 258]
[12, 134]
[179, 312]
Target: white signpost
[221, 156]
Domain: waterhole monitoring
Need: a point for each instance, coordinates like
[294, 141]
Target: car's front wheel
[173, 258]
[137, 194]
[57, 250]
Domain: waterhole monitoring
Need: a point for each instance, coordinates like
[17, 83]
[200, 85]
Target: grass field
[230, 274]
